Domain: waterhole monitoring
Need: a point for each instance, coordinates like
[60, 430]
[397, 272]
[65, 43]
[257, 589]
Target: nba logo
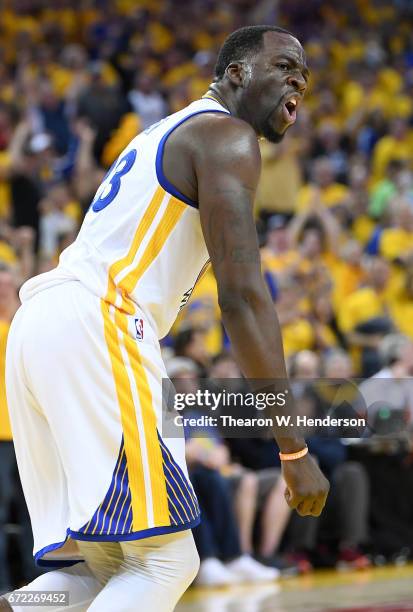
[139, 328]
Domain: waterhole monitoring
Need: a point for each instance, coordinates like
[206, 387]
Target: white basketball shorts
[84, 387]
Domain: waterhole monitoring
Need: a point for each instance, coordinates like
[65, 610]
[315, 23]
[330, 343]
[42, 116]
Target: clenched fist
[307, 487]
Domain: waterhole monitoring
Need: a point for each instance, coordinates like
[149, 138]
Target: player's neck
[215, 94]
[230, 99]
[225, 96]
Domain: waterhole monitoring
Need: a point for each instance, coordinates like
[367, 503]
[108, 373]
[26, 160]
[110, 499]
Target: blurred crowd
[334, 212]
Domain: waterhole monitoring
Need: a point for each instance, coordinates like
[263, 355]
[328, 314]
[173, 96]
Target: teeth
[293, 102]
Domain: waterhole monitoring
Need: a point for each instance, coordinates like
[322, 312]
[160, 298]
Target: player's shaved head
[241, 44]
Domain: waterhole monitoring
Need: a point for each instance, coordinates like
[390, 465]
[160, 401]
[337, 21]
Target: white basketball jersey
[141, 243]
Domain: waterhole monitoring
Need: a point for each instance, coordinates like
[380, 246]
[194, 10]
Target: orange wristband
[294, 456]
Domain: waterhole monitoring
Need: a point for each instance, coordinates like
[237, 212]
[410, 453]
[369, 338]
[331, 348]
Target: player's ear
[238, 74]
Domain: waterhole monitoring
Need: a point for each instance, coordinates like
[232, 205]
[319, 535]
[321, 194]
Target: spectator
[396, 145]
[363, 317]
[349, 273]
[87, 174]
[278, 254]
[328, 144]
[203, 311]
[51, 117]
[190, 343]
[298, 333]
[330, 192]
[224, 545]
[401, 307]
[315, 234]
[345, 520]
[102, 105]
[146, 101]
[304, 364]
[396, 241]
[258, 493]
[59, 220]
[324, 322]
[388, 394]
[385, 190]
[281, 168]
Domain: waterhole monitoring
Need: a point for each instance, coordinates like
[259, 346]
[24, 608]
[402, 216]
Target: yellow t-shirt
[354, 96]
[129, 127]
[363, 228]
[203, 311]
[178, 74]
[347, 279]
[5, 429]
[280, 179]
[390, 80]
[7, 253]
[297, 336]
[198, 86]
[402, 314]
[278, 263]
[395, 242]
[389, 148]
[359, 307]
[330, 196]
[327, 336]
[161, 38]
[73, 210]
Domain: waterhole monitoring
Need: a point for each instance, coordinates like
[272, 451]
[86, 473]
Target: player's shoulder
[221, 126]
[223, 134]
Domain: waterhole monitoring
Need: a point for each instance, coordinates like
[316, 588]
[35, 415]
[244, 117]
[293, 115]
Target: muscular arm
[227, 181]
[221, 158]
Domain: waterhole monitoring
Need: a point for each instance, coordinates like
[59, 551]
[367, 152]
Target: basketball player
[84, 368]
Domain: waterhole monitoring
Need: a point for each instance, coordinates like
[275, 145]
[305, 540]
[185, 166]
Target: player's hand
[307, 487]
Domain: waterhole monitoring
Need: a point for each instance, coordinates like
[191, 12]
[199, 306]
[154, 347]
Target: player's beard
[270, 134]
[268, 130]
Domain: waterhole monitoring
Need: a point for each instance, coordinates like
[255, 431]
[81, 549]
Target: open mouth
[290, 110]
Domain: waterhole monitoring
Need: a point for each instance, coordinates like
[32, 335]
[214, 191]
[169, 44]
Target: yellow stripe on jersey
[140, 233]
[173, 212]
[154, 453]
[170, 218]
[129, 424]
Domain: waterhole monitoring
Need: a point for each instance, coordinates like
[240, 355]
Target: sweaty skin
[215, 160]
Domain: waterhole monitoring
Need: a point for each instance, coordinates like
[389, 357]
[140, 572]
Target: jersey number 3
[110, 185]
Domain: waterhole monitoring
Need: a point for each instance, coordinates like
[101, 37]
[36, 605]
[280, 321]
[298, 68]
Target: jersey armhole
[162, 180]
